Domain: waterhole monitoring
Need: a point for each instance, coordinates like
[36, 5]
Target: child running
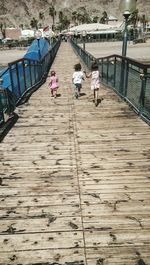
[53, 84]
[77, 78]
[95, 81]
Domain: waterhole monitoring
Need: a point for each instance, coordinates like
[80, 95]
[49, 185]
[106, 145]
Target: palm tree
[65, 22]
[42, 17]
[60, 16]
[34, 23]
[95, 19]
[104, 18]
[79, 17]
[133, 19]
[144, 21]
[21, 26]
[52, 13]
[82, 16]
[74, 17]
[2, 29]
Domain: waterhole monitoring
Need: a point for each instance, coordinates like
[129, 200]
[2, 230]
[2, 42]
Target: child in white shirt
[77, 79]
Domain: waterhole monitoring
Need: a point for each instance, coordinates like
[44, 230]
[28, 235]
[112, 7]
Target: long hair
[94, 66]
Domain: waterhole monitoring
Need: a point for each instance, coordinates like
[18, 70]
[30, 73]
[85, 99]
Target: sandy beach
[7, 56]
[139, 51]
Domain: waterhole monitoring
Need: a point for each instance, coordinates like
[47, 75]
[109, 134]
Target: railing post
[126, 79]
[115, 72]
[102, 68]
[107, 69]
[11, 78]
[24, 76]
[143, 89]
[18, 80]
[122, 76]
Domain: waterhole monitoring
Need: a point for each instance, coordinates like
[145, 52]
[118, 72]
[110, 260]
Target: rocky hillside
[20, 12]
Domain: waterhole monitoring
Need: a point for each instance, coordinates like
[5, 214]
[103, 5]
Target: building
[96, 30]
[12, 33]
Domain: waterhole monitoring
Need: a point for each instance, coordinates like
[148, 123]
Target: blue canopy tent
[24, 73]
[38, 49]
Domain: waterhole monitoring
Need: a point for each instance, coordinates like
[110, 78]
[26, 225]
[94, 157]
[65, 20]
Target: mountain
[14, 13]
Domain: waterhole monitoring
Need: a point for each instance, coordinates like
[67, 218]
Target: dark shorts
[79, 86]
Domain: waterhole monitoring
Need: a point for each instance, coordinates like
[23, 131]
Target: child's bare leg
[76, 92]
[96, 97]
[79, 89]
[94, 94]
[51, 92]
[55, 93]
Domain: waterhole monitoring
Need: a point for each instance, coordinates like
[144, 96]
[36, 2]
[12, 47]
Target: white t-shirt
[77, 77]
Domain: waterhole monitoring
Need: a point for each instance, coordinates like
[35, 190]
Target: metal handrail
[24, 75]
[123, 75]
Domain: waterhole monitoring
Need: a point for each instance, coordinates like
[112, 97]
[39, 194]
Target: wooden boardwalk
[75, 179]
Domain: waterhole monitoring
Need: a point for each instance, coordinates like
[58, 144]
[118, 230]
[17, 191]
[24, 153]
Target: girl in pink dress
[53, 84]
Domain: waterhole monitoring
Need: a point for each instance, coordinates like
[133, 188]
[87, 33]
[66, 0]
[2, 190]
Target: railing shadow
[8, 125]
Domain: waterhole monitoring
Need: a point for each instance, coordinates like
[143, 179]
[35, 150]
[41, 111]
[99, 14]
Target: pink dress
[53, 84]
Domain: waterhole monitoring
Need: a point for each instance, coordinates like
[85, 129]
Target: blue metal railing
[22, 76]
[129, 78]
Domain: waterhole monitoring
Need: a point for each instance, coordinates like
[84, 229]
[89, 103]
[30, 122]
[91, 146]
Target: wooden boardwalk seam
[75, 179]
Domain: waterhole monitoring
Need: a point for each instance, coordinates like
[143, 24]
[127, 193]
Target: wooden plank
[52, 240]
[122, 207]
[120, 255]
[40, 212]
[117, 222]
[43, 255]
[39, 201]
[44, 225]
[116, 238]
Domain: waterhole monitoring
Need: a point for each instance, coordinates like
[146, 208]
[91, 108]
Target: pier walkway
[75, 179]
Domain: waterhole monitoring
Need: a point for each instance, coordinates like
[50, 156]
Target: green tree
[21, 26]
[95, 19]
[60, 16]
[65, 22]
[104, 18]
[74, 17]
[133, 19]
[83, 16]
[42, 17]
[52, 13]
[143, 21]
[2, 29]
[34, 23]
[79, 17]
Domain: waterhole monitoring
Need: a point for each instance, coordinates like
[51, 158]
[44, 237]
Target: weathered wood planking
[51, 255]
[75, 179]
